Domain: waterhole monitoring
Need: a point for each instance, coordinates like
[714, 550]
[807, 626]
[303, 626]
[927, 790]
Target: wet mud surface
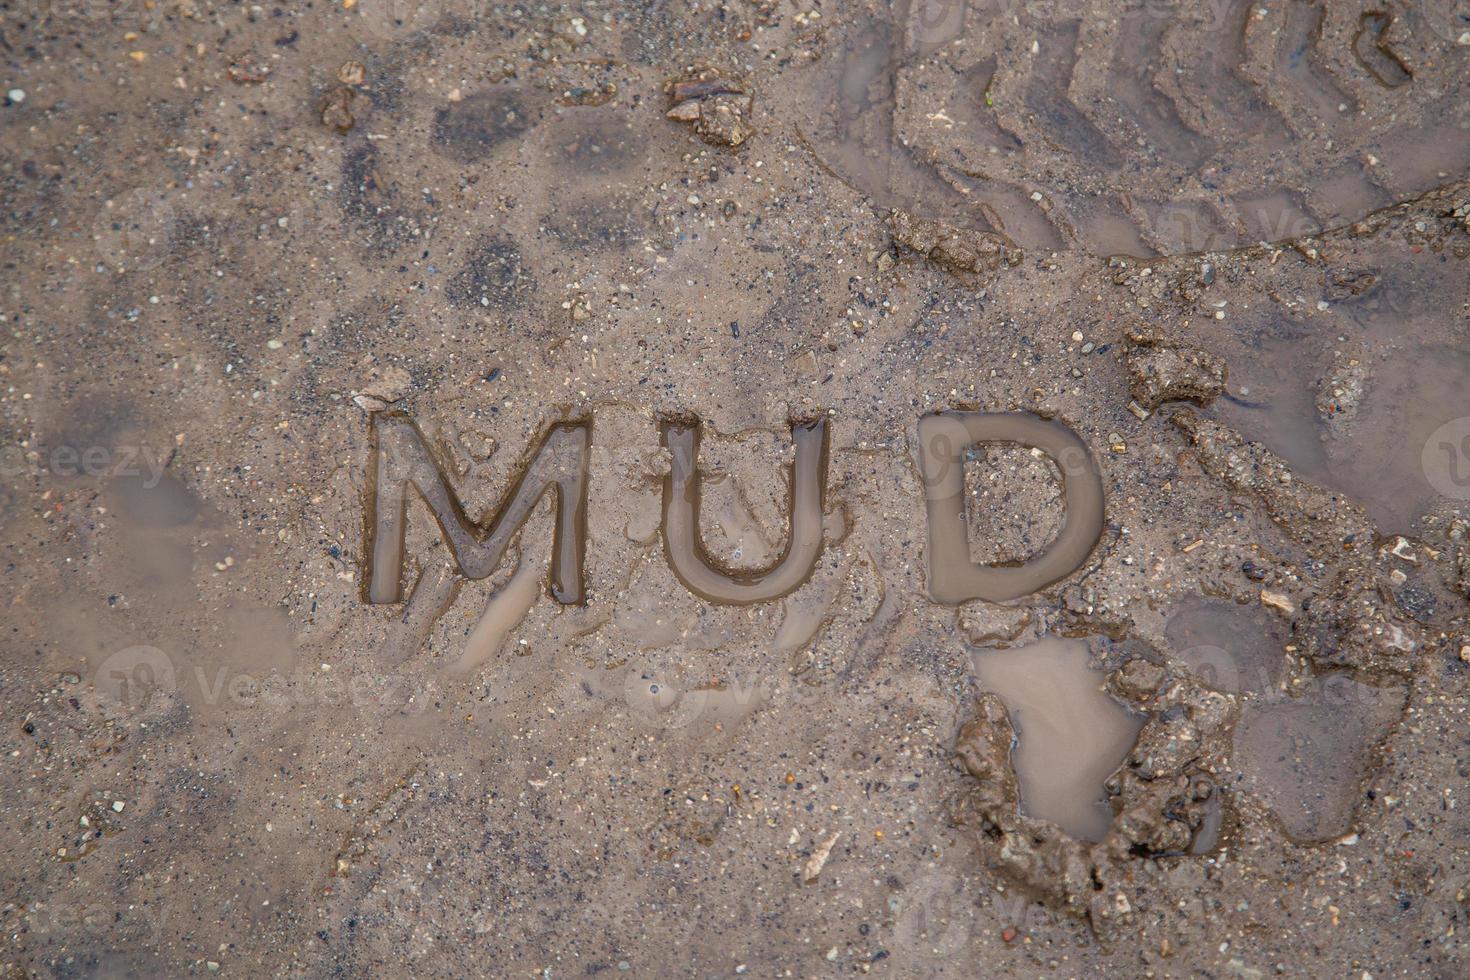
[303, 308]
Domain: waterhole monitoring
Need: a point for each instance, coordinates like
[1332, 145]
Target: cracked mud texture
[232, 232]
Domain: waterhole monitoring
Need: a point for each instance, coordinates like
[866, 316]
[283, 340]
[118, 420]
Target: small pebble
[117, 806]
[351, 73]
[16, 96]
[1278, 601]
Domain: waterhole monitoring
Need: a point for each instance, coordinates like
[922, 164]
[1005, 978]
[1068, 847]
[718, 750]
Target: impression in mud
[1070, 735]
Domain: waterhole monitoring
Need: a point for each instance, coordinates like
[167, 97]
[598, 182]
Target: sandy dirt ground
[272, 275]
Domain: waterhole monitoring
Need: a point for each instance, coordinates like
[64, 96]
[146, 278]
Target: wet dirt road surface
[271, 272]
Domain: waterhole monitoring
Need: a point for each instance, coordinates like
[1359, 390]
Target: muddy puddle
[1364, 396]
[1307, 757]
[1229, 647]
[623, 488]
[1070, 734]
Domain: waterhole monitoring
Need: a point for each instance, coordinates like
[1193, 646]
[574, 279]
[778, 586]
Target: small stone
[368, 404]
[1278, 601]
[804, 364]
[819, 857]
[1139, 411]
[16, 96]
[274, 344]
[118, 806]
[1403, 550]
[719, 108]
[387, 385]
[1464, 38]
[724, 120]
[351, 73]
[338, 109]
[248, 70]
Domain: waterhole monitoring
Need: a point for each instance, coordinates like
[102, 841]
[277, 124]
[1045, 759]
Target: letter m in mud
[402, 460]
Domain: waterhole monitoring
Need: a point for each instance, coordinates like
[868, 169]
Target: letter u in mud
[684, 547]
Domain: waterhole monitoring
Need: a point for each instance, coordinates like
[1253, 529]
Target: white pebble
[16, 95]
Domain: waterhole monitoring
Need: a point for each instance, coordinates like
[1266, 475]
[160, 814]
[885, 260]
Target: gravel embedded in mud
[1225, 245]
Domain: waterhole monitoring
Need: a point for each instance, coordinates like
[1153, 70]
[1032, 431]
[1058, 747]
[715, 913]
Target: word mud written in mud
[402, 461]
